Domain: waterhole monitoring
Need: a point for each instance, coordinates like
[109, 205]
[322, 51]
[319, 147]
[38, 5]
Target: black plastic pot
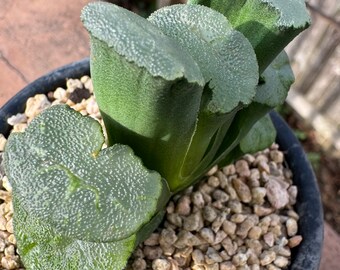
[307, 255]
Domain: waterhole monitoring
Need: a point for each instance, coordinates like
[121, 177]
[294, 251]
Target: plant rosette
[227, 220]
[178, 92]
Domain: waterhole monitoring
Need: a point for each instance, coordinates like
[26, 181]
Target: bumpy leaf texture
[76, 193]
[268, 24]
[148, 89]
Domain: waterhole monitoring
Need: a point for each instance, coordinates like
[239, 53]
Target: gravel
[240, 216]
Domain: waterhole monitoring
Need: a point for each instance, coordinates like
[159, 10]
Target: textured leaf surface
[268, 24]
[42, 248]
[225, 56]
[277, 79]
[139, 41]
[261, 136]
[148, 89]
[61, 176]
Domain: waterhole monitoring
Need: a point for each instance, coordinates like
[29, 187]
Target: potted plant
[179, 92]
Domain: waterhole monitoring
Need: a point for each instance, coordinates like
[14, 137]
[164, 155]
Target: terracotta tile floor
[36, 37]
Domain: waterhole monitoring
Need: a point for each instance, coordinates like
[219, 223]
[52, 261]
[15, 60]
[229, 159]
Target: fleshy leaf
[268, 24]
[224, 55]
[277, 79]
[41, 247]
[60, 175]
[228, 64]
[271, 92]
[148, 89]
[261, 136]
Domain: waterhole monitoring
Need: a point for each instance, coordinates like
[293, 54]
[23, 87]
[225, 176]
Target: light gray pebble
[209, 213]
[227, 266]
[208, 235]
[183, 206]
[197, 199]
[277, 194]
[213, 181]
[17, 119]
[267, 257]
[242, 190]
[220, 195]
[161, 264]
[212, 256]
[229, 170]
[152, 253]
[229, 227]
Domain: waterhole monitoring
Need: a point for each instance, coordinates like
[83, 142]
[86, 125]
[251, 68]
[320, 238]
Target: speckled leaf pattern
[61, 176]
[261, 136]
[41, 247]
[139, 42]
[268, 24]
[148, 89]
[224, 55]
[277, 79]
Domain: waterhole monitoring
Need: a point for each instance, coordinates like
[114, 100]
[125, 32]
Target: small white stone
[292, 227]
[212, 256]
[198, 257]
[60, 94]
[269, 239]
[229, 227]
[183, 206]
[73, 84]
[213, 181]
[6, 184]
[277, 195]
[2, 142]
[212, 171]
[267, 257]
[35, 105]
[242, 190]
[227, 266]
[281, 261]
[17, 119]
[255, 232]
[208, 235]
[197, 199]
[242, 168]
[240, 259]
[161, 264]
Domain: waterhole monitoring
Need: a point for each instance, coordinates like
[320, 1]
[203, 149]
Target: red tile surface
[36, 37]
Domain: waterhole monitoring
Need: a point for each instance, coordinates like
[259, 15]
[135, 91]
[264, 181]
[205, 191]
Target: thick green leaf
[277, 79]
[261, 136]
[41, 247]
[228, 64]
[268, 24]
[148, 88]
[224, 55]
[61, 176]
[271, 92]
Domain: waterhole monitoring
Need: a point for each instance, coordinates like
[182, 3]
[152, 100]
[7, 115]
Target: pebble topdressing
[239, 217]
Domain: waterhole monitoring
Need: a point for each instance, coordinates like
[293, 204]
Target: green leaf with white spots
[225, 57]
[61, 176]
[229, 67]
[148, 89]
[276, 82]
[42, 247]
[268, 24]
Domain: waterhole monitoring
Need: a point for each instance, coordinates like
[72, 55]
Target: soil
[326, 167]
